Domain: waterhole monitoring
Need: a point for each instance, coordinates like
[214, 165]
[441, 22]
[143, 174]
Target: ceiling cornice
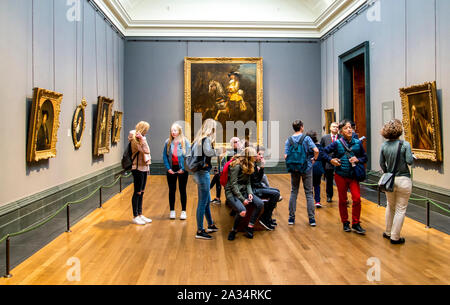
[331, 17]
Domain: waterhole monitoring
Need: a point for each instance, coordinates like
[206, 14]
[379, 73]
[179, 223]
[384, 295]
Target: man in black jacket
[329, 169]
[259, 189]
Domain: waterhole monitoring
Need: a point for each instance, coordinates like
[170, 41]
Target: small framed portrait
[421, 121]
[330, 117]
[103, 126]
[117, 126]
[79, 123]
[43, 124]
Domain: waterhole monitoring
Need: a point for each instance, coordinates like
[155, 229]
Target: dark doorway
[354, 91]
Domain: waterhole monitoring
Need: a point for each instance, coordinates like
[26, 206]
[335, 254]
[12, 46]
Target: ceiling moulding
[332, 16]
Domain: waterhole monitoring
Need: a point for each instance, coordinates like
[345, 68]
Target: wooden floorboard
[112, 250]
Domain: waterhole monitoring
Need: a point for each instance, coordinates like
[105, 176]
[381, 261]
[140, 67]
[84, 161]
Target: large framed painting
[227, 90]
[79, 123]
[421, 121]
[330, 117]
[43, 124]
[103, 126]
[117, 126]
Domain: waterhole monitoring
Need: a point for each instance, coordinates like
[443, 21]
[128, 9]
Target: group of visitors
[240, 170]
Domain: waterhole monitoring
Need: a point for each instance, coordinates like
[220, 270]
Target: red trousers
[343, 184]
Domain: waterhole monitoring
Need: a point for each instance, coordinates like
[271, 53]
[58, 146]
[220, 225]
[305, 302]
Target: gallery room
[149, 142]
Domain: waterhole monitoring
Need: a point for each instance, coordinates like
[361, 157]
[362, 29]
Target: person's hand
[335, 162]
[246, 202]
[353, 160]
[250, 197]
[170, 171]
[263, 162]
[180, 171]
[313, 161]
[138, 135]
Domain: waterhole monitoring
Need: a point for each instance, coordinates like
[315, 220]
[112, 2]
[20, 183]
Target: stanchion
[68, 219]
[100, 192]
[7, 275]
[428, 214]
[379, 196]
[120, 184]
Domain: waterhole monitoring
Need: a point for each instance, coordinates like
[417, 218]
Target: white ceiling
[231, 18]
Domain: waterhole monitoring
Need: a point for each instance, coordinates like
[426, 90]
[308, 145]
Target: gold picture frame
[421, 121]
[103, 126]
[330, 117]
[116, 126]
[208, 90]
[43, 124]
[79, 123]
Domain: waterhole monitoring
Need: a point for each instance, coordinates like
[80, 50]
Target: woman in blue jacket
[175, 149]
[345, 178]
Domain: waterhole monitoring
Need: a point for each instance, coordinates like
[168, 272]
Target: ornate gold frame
[117, 124]
[436, 153]
[225, 60]
[102, 103]
[39, 97]
[327, 121]
[81, 108]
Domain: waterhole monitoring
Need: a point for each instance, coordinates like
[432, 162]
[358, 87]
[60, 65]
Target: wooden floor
[112, 250]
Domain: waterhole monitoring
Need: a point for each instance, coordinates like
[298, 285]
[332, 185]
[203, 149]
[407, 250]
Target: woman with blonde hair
[141, 161]
[395, 151]
[203, 146]
[174, 152]
[239, 190]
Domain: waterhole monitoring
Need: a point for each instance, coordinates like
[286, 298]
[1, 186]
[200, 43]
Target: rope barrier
[39, 224]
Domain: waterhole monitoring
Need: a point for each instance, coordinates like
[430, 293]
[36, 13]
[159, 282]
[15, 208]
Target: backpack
[193, 162]
[296, 160]
[224, 173]
[127, 158]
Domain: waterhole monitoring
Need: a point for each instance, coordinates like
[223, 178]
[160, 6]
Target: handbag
[386, 182]
[358, 168]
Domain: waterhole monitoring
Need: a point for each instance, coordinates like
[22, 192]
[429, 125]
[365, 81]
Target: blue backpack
[296, 160]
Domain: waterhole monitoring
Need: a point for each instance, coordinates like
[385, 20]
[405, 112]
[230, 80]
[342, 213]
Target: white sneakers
[141, 220]
[183, 215]
[173, 215]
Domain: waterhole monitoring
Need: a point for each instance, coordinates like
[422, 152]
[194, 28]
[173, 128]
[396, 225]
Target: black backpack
[195, 161]
[127, 158]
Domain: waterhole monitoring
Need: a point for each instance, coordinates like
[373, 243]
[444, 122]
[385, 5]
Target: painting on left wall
[43, 124]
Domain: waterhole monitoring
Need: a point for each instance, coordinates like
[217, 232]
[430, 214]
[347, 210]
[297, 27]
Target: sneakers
[173, 215]
[137, 220]
[266, 224]
[318, 205]
[312, 222]
[249, 233]
[281, 198]
[347, 227]
[401, 240]
[329, 199]
[386, 236]
[358, 229]
[212, 228]
[203, 235]
[183, 215]
[145, 219]
[291, 220]
[232, 235]
[274, 222]
[216, 201]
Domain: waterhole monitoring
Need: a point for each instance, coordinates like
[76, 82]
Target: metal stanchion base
[8, 276]
[68, 231]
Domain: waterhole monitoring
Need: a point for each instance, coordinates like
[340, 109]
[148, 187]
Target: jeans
[397, 202]
[308, 187]
[172, 182]
[317, 179]
[140, 180]
[343, 184]
[204, 198]
[240, 207]
[216, 181]
[329, 177]
[273, 195]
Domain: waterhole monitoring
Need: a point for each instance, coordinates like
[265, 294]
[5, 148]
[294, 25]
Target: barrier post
[428, 214]
[120, 184]
[68, 219]
[379, 196]
[100, 192]
[7, 275]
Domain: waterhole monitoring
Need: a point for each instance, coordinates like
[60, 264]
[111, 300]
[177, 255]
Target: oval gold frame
[81, 108]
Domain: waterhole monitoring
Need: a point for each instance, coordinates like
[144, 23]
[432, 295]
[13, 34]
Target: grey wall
[40, 47]
[154, 83]
[410, 45]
